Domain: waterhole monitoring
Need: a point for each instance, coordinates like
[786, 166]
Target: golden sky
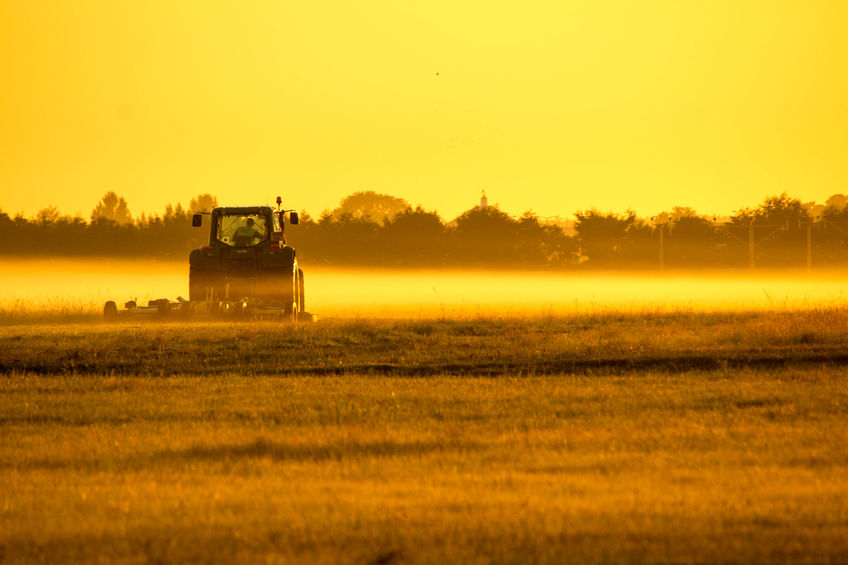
[551, 105]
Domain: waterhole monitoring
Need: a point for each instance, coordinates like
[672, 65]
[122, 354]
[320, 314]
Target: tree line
[370, 229]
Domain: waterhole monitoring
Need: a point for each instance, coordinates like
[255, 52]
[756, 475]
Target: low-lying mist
[87, 284]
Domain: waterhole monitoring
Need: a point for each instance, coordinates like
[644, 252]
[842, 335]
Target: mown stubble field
[666, 437]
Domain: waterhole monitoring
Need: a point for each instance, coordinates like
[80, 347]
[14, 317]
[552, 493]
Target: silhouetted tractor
[246, 268]
[247, 260]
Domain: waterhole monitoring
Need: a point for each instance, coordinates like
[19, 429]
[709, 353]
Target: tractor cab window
[243, 230]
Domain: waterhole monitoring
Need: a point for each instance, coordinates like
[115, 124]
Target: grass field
[653, 437]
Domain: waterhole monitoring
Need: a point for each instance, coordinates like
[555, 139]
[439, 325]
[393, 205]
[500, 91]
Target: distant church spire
[484, 202]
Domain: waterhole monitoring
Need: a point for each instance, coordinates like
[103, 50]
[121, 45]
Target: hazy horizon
[344, 292]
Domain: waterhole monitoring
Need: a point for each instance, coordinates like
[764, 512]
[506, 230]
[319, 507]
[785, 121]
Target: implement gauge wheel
[110, 311]
[162, 307]
[186, 310]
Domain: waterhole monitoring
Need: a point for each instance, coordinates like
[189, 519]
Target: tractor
[246, 269]
[247, 260]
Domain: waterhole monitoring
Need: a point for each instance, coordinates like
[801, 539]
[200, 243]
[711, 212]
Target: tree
[832, 233]
[782, 209]
[538, 245]
[47, 216]
[484, 236]
[203, 203]
[814, 209]
[415, 238]
[371, 205]
[602, 236]
[836, 202]
[7, 232]
[779, 227]
[692, 239]
[351, 240]
[112, 207]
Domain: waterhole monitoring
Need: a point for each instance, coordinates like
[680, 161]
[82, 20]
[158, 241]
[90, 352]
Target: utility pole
[809, 246]
[751, 244]
[660, 221]
[752, 241]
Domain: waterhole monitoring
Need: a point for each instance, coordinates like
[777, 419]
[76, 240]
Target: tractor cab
[246, 226]
[242, 230]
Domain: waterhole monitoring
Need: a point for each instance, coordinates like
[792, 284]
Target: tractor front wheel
[301, 292]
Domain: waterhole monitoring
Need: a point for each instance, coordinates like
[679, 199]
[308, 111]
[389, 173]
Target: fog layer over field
[86, 284]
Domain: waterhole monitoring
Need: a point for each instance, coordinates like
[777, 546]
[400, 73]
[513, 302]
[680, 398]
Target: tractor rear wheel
[202, 282]
[289, 298]
[196, 286]
[301, 292]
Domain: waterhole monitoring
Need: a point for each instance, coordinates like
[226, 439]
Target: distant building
[484, 202]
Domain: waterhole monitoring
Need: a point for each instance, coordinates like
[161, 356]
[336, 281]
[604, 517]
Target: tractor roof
[242, 210]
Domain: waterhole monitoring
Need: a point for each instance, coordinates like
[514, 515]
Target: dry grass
[738, 467]
[215, 449]
[601, 343]
[50, 311]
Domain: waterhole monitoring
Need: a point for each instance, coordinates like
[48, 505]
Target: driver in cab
[246, 234]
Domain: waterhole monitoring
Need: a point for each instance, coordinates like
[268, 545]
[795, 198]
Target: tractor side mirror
[196, 220]
[293, 218]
